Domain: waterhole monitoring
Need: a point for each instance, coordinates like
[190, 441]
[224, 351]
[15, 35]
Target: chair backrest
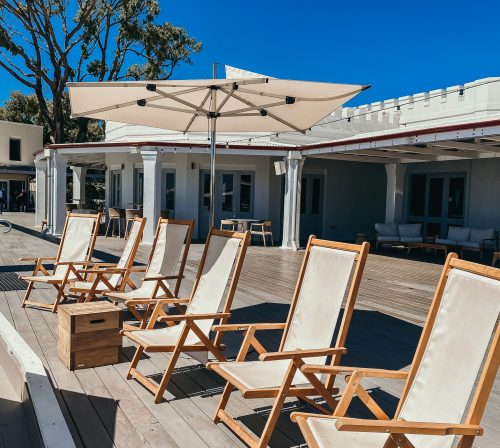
[78, 239]
[170, 245]
[451, 351]
[458, 233]
[130, 250]
[113, 212]
[321, 287]
[220, 259]
[227, 222]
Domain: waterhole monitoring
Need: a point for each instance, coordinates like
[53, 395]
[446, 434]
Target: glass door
[138, 188]
[234, 197]
[311, 205]
[168, 192]
[437, 201]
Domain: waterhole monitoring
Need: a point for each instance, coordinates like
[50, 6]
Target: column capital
[41, 164]
[294, 155]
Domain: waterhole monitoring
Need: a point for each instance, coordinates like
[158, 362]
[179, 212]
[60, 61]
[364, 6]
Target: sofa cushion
[411, 239]
[470, 244]
[388, 238]
[448, 242]
[478, 235]
[458, 233]
[410, 230]
[390, 229]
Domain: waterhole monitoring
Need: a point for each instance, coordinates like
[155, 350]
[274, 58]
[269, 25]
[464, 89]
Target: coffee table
[429, 245]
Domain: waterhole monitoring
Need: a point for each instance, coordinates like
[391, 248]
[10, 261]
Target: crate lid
[76, 309]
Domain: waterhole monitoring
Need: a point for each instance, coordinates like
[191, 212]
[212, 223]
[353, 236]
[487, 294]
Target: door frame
[443, 220]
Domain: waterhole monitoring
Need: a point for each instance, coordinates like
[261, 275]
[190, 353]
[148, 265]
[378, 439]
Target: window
[245, 193]
[316, 193]
[417, 195]
[116, 185]
[227, 192]
[15, 149]
[170, 191]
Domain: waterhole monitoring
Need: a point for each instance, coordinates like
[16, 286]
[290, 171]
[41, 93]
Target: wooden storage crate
[88, 334]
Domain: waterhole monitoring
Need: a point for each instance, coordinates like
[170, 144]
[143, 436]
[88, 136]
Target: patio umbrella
[227, 105]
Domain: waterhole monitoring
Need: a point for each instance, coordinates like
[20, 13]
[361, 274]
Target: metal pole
[212, 170]
[213, 120]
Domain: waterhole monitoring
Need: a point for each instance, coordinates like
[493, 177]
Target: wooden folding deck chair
[102, 277]
[315, 310]
[164, 272]
[455, 349]
[75, 251]
[223, 255]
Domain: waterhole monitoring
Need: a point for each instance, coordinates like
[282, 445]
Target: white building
[18, 142]
[429, 157]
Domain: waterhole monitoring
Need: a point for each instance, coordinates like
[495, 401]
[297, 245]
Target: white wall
[188, 166]
[31, 140]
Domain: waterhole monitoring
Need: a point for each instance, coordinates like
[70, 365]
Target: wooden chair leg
[135, 361]
[27, 293]
[272, 239]
[264, 238]
[223, 401]
[107, 229]
[277, 407]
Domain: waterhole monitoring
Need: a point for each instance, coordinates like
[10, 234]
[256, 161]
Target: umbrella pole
[213, 121]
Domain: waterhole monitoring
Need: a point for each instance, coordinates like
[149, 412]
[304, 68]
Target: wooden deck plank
[106, 410]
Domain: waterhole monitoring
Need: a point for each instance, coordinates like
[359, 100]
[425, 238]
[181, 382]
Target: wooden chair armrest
[373, 373]
[71, 263]
[37, 258]
[272, 356]
[161, 277]
[102, 271]
[179, 317]
[244, 327]
[133, 302]
[404, 427]
[138, 269]
[294, 416]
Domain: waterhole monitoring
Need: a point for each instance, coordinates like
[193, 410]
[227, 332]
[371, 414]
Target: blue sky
[398, 47]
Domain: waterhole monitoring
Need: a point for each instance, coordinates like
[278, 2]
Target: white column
[152, 193]
[291, 210]
[79, 174]
[394, 194]
[41, 191]
[58, 167]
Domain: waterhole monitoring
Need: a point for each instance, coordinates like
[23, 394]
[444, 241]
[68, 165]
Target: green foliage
[43, 47]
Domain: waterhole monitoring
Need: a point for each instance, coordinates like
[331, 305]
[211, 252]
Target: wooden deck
[103, 409]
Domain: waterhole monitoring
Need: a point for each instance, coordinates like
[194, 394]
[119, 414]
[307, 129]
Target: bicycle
[6, 224]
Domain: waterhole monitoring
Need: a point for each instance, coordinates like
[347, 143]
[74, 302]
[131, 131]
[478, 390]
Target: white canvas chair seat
[456, 350]
[58, 277]
[167, 336]
[326, 435]
[77, 245]
[144, 292]
[262, 375]
[219, 270]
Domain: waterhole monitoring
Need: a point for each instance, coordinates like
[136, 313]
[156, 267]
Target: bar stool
[130, 214]
[114, 215]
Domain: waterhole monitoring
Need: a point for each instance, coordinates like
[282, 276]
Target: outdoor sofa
[470, 239]
[395, 234]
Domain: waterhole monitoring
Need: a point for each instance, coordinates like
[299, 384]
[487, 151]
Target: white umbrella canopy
[257, 104]
[240, 105]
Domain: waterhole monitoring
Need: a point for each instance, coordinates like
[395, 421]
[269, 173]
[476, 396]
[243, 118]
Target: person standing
[21, 200]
